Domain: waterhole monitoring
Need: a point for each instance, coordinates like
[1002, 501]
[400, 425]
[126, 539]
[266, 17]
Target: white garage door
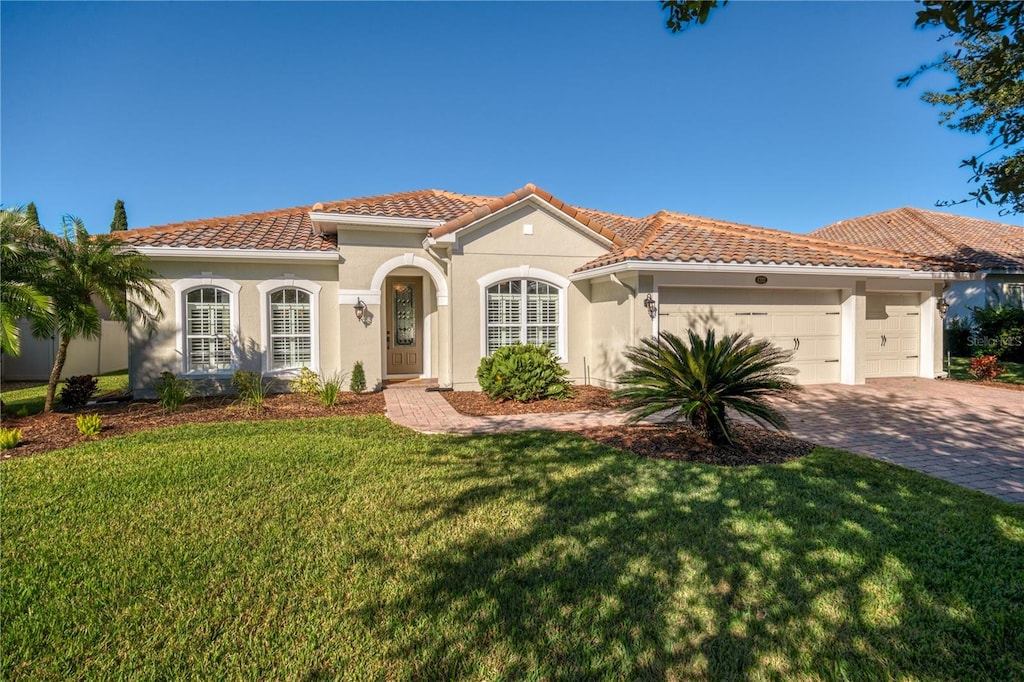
[807, 322]
[892, 335]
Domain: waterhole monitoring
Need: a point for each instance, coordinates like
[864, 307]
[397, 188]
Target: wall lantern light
[360, 309]
[652, 309]
[943, 305]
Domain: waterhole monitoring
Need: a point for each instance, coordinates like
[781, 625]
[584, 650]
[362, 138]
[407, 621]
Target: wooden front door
[405, 326]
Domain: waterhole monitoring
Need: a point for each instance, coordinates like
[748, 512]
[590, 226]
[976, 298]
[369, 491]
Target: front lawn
[353, 548]
[27, 400]
[1014, 373]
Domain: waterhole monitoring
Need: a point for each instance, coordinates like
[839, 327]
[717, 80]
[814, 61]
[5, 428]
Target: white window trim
[266, 288]
[529, 272]
[181, 288]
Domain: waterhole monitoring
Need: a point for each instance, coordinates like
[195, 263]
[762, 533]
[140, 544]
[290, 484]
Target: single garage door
[807, 322]
[892, 335]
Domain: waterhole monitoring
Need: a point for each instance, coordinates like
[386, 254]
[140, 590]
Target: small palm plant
[700, 379]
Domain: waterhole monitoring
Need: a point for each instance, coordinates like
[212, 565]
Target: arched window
[523, 310]
[291, 329]
[208, 330]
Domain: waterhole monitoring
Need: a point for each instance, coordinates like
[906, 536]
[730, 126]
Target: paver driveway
[970, 435]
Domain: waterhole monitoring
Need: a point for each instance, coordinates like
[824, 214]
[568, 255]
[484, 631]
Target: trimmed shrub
[985, 368]
[252, 390]
[358, 381]
[523, 372]
[172, 391]
[89, 424]
[308, 382]
[9, 438]
[78, 391]
[999, 331]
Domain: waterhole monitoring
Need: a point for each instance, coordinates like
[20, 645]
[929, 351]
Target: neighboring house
[996, 249]
[106, 353]
[426, 283]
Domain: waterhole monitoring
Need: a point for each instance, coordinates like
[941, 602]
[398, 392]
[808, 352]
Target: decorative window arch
[289, 324]
[526, 305]
[206, 309]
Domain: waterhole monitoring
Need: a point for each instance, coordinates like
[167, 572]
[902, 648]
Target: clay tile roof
[429, 204]
[663, 236]
[982, 243]
[591, 219]
[285, 229]
[676, 237]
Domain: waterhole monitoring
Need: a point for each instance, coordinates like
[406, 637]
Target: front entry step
[411, 384]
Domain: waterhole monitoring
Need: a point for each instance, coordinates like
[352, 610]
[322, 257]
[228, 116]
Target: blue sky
[785, 115]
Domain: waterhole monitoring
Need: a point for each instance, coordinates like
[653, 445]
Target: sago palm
[22, 270]
[698, 381]
[89, 268]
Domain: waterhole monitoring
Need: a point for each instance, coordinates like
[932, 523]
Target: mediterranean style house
[995, 249]
[426, 283]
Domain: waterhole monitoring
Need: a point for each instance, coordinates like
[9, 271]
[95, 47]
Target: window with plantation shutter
[291, 330]
[208, 330]
[522, 310]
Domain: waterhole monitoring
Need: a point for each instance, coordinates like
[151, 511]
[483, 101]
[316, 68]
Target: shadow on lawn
[831, 565]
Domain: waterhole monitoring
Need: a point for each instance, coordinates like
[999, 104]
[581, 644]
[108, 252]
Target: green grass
[30, 400]
[353, 548]
[1014, 373]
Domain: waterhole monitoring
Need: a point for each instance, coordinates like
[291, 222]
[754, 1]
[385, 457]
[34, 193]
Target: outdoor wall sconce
[360, 309]
[652, 309]
[943, 305]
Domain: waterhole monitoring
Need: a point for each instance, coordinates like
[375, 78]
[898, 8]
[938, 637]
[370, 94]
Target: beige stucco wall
[152, 355]
[502, 244]
[367, 256]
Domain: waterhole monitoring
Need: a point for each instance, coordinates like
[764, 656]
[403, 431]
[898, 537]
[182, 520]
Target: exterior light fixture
[943, 305]
[360, 309]
[652, 309]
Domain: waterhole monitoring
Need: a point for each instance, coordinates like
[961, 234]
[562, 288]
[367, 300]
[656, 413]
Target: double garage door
[806, 322]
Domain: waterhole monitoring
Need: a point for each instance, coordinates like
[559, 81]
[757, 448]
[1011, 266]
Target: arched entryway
[413, 292]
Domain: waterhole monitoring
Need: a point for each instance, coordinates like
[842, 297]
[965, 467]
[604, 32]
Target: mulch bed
[585, 399]
[753, 444]
[44, 432]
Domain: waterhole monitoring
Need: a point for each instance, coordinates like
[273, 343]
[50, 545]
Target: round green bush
[523, 372]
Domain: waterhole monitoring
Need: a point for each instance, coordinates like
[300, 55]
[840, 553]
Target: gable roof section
[982, 243]
[675, 237]
[588, 219]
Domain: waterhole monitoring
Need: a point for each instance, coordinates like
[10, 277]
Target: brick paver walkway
[970, 435]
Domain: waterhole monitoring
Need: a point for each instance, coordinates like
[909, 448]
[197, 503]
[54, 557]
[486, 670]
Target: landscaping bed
[584, 399]
[752, 444]
[56, 430]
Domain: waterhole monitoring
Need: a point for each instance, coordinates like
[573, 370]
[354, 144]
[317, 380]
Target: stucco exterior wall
[152, 355]
[502, 244]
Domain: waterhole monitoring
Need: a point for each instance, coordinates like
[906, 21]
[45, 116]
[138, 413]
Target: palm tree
[86, 269]
[22, 268]
[699, 380]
